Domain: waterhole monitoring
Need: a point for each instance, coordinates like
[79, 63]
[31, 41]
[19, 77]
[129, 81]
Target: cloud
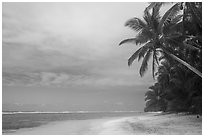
[61, 80]
[29, 65]
[62, 44]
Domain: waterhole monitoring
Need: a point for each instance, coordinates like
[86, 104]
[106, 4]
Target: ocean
[13, 121]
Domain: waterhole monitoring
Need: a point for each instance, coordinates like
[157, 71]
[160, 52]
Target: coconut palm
[192, 30]
[182, 35]
[179, 87]
[189, 49]
[186, 85]
[155, 38]
[180, 41]
[149, 33]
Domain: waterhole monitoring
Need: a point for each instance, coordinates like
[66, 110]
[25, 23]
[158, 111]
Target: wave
[64, 112]
[156, 112]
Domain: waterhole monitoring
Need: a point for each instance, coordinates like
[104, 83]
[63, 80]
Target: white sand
[171, 124]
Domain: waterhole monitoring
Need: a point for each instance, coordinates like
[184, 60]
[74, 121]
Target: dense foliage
[174, 42]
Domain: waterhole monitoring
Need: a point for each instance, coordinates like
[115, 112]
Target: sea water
[13, 121]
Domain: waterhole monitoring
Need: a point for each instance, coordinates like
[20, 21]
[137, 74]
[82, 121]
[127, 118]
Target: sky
[65, 56]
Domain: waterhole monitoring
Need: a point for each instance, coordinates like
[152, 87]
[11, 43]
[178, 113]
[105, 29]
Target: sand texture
[149, 124]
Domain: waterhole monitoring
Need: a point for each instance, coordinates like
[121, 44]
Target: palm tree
[149, 33]
[185, 86]
[153, 99]
[180, 88]
[182, 35]
[152, 33]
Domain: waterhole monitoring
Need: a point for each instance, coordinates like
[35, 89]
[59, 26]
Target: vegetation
[174, 42]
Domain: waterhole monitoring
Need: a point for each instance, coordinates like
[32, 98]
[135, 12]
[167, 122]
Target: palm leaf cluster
[157, 35]
[174, 43]
[179, 89]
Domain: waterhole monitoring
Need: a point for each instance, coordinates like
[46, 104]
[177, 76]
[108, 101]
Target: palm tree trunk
[184, 63]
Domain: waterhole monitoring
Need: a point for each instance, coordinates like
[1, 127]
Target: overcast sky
[65, 56]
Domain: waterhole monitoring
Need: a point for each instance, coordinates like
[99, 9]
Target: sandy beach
[149, 124]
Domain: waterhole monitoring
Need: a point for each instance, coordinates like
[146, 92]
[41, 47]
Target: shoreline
[148, 124]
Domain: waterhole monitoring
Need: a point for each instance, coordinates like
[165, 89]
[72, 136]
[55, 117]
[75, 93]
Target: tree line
[173, 43]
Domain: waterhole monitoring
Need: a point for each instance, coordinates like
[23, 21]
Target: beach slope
[149, 124]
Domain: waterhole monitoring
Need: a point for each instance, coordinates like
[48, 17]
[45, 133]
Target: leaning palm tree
[183, 38]
[151, 35]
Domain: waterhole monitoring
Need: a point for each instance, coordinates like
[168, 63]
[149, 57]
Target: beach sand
[149, 124]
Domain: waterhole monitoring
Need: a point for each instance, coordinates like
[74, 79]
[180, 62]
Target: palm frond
[153, 18]
[145, 35]
[169, 15]
[176, 19]
[197, 15]
[134, 56]
[156, 13]
[144, 50]
[156, 9]
[136, 24]
[130, 40]
[151, 5]
[174, 26]
[139, 53]
[190, 46]
[144, 65]
[148, 18]
[139, 39]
